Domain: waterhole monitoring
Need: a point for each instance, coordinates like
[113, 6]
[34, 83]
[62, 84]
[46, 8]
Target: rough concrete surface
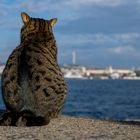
[72, 128]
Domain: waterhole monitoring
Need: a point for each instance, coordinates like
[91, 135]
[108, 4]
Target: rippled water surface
[107, 99]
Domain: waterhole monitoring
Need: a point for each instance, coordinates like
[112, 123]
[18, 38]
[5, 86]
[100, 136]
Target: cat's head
[34, 26]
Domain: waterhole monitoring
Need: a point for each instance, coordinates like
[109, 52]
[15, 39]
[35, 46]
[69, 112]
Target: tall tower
[74, 58]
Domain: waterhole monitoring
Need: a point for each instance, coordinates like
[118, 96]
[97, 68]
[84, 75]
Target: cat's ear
[53, 21]
[25, 17]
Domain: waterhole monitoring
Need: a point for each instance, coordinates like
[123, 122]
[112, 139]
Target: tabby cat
[33, 86]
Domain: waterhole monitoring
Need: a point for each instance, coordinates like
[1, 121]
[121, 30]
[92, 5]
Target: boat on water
[131, 78]
[74, 75]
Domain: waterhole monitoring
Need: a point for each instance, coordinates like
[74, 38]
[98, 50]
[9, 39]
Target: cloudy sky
[101, 32]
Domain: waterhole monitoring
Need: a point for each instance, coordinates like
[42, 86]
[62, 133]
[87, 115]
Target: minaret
[74, 58]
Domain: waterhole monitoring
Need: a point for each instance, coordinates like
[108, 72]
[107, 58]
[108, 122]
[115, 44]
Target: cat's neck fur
[38, 37]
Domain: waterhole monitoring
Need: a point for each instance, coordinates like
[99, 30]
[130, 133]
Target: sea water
[103, 99]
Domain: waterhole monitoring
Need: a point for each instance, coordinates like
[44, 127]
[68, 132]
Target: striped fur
[32, 80]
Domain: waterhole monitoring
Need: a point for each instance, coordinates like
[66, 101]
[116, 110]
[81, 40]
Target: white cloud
[36, 6]
[127, 36]
[66, 10]
[120, 37]
[64, 5]
[43, 5]
[97, 39]
[79, 3]
[122, 50]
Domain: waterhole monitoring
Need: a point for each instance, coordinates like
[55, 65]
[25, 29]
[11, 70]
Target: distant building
[96, 73]
[1, 68]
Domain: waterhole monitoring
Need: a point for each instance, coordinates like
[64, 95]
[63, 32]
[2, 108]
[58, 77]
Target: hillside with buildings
[82, 72]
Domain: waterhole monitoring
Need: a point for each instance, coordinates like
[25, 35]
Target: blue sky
[102, 32]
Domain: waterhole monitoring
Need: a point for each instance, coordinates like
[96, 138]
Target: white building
[2, 68]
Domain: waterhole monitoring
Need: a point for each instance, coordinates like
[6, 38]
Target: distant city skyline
[101, 32]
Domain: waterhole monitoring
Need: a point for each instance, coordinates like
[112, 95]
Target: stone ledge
[73, 128]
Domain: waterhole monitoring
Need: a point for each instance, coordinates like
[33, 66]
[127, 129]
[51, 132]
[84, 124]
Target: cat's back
[32, 79]
[45, 77]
